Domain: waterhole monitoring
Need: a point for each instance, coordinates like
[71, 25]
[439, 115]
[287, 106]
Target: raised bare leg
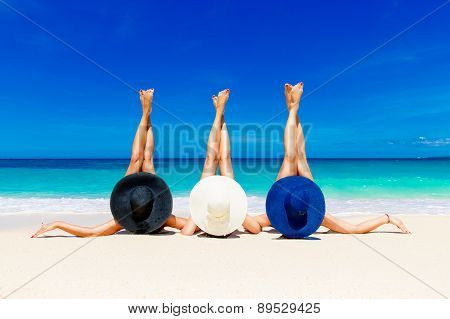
[289, 165]
[254, 224]
[213, 147]
[148, 166]
[341, 226]
[302, 162]
[137, 153]
[226, 169]
[149, 148]
[212, 151]
[225, 166]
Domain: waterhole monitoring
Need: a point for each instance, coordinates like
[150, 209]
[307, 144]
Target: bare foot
[146, 98]
[397, 222]
[214, 99]
[44, 228]
[296, 94]
[293, 95]
[222, 99]
[287, 94]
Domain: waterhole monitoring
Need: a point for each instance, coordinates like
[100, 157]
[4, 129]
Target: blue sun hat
[295, 206]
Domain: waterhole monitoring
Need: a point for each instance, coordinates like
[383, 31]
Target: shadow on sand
[233, 235]
[161, 233]
[121, 232]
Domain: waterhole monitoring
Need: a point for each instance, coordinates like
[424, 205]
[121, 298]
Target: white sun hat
[218, 205]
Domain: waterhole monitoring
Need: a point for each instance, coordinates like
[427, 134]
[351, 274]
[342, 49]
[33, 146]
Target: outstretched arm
[189, 228]
[108, 228]
[341, 226]
[176, 222]
[255, 224]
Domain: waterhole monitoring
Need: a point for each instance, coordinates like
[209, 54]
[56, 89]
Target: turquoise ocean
[416, 186]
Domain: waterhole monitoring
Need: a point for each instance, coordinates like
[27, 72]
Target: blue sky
[395, 103]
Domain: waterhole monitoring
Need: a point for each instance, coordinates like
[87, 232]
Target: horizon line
[202, 158]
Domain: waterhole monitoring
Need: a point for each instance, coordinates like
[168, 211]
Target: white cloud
[434, 142]
[421, 140]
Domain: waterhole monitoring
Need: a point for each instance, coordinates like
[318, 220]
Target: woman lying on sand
[296, 164]
[218, 156]
[141, 161]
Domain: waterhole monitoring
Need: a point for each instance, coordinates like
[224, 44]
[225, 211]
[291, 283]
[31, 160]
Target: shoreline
[256, 205]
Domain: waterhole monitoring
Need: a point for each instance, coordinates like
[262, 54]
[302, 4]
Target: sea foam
[256, 205]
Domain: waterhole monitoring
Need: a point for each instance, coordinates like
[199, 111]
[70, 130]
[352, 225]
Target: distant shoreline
[235, 158]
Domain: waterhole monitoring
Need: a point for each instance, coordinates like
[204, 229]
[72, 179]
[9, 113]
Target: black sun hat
[141, 203]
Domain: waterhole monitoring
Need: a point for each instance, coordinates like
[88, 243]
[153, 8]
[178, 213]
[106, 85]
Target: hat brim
[121, 206]
[213, 187]
[312, 197]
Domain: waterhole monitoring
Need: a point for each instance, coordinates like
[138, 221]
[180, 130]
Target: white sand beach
[384, 264]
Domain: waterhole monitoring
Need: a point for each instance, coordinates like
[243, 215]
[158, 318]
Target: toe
[287, 87]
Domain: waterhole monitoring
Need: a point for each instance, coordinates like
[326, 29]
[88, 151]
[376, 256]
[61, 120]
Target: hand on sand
[146, 97]
[293, 95]
[397, 222]
[44, 228]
